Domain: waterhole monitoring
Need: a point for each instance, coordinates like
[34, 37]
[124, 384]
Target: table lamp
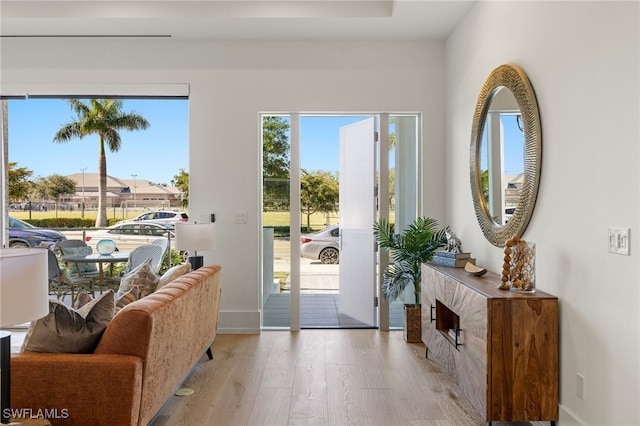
[24, 296]
[195, 236]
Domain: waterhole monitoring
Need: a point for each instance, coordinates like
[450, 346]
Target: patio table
[115, 257]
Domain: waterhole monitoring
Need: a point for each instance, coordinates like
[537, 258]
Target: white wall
[583, 61]
[230, 83]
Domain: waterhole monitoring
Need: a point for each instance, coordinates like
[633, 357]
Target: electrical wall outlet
[618, 240]
[580, 386]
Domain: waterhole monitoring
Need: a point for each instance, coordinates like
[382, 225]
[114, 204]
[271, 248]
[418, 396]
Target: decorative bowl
[474, 270]
[106, 246]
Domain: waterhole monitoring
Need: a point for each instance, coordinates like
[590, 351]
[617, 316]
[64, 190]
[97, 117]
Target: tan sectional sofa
[143, 356]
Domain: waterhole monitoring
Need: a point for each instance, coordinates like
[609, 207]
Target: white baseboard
[238, 330]
[569, 418]
[239, 322]
[566, 418]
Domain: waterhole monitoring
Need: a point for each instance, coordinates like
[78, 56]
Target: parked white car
[169, 216]
[128, 236]
[321, 245]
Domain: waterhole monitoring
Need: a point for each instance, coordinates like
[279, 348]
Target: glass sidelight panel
[276, 259]
[403, 189]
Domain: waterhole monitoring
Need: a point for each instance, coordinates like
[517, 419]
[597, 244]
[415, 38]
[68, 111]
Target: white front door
[357, 216]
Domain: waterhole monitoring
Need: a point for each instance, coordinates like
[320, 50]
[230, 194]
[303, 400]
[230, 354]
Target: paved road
[73, 235]
[314, 276]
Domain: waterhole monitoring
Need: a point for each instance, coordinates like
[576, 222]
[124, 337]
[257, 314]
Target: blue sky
[513, 149]
[319, 141]
[156, 154]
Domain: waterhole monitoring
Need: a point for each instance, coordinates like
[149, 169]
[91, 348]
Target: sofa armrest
[77, 389]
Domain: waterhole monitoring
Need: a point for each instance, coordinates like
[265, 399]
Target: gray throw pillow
[120, 301]
[67, 330]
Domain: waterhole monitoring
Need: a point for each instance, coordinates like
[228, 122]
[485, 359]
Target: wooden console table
[500, 347]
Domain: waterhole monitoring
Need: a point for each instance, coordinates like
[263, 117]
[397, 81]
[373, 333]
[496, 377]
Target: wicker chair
[61, 284]
[142, 253]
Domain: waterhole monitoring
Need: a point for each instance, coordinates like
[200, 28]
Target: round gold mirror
[505, 155]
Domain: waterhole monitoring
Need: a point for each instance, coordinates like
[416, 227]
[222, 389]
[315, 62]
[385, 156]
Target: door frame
[383, 119]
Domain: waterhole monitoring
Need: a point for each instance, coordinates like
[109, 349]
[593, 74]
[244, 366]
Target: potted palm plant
[407, 251]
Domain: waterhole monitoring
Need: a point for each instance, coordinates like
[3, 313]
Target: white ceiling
[318, 20]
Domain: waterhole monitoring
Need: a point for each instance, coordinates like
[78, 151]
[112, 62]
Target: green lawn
[269, 219]
[317, 221]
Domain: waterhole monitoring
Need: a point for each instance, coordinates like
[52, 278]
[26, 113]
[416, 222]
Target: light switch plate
[241, 216]
[618, 240]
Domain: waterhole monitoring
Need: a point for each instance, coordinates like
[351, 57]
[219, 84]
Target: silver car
[128, 236]
[169, 216]
[321, 245]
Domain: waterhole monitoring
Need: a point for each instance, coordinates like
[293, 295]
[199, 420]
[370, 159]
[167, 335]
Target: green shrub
[113, 221]
[62, 222]
[176, 259]
[68, 222]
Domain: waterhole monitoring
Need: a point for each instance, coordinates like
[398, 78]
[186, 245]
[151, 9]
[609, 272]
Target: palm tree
[105, 118]
[415, 245]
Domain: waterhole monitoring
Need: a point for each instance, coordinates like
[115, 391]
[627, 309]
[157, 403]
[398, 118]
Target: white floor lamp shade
[24, 296]
[194, 237]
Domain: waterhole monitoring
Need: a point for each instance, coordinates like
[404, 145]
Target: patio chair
[142, 253]
[79, 247]
[61, 284]
[71, 243]
[164, 243]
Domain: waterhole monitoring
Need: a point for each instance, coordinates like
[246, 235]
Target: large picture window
[50, 173]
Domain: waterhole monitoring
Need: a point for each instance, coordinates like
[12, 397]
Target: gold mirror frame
[513, 78]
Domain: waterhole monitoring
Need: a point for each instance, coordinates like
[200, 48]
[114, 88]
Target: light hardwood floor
[318, 377]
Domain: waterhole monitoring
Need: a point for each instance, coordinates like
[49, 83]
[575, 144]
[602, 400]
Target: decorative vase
[412, 323]
[522, 271]
[106, 246]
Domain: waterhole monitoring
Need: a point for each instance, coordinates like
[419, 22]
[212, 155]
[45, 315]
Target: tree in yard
[102, 117]
[56, 185]
[52, 187]
[484, 181]
[319, 193]
[275, 162]
[20, 185]
[181, 181]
